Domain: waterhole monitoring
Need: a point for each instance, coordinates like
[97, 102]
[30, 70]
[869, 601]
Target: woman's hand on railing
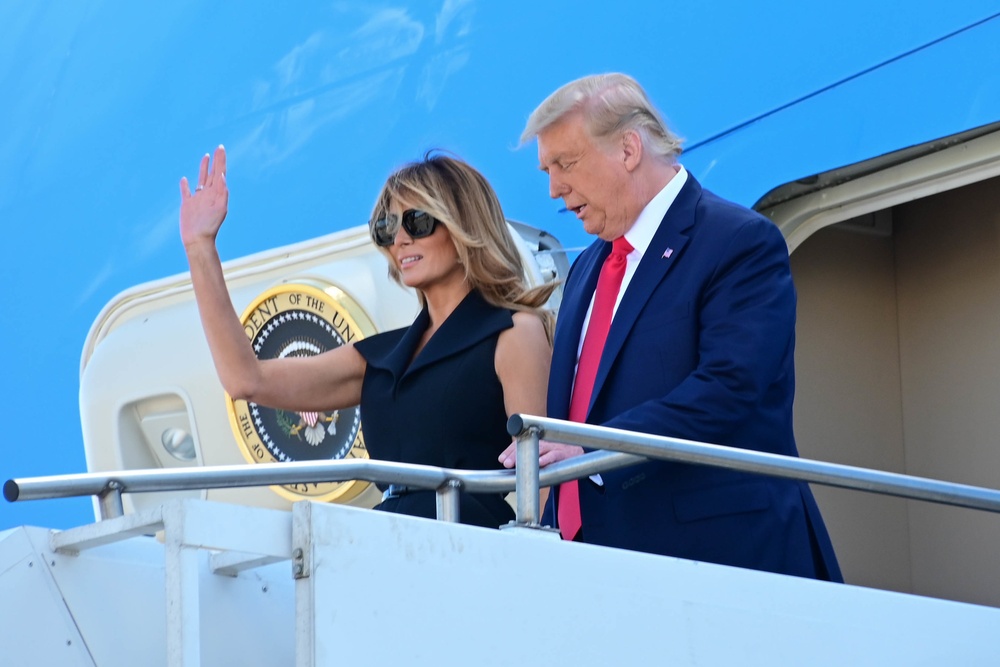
[548, 453]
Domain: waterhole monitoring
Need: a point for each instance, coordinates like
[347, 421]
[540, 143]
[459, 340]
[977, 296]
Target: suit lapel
[664, 252]
[579, 290]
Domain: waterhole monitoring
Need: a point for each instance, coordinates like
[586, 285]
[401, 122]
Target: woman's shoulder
[528, 329]
[528, 320]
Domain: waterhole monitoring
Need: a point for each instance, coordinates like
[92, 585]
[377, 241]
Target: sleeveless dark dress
[446, 408]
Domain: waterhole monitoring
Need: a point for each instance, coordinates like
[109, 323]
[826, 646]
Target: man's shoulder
[715, 206]
[717, 216]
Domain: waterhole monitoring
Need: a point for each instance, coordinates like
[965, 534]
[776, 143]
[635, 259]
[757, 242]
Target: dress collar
[472, 320]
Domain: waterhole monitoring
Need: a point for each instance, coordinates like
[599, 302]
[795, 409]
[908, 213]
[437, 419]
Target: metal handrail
[623, 448]
[776, 465]
[109, 486]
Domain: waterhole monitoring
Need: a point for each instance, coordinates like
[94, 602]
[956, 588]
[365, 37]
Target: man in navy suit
[700, 346]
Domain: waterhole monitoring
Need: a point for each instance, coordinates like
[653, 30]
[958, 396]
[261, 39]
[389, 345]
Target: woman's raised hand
[203, 210]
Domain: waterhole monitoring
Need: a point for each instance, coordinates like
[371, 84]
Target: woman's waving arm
[326, 381]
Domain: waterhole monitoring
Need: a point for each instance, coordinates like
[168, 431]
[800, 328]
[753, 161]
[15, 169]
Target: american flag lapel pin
[667, 253]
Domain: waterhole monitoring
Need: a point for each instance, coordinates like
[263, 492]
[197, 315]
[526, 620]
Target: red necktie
[608, 285]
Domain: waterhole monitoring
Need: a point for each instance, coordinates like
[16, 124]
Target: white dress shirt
[639, 236]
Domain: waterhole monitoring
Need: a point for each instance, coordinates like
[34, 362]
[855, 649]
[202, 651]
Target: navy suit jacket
[701, 348]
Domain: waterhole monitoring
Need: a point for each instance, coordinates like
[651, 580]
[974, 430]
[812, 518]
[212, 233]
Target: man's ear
[631, 149]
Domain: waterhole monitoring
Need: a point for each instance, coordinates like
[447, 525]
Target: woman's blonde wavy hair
[464, 202]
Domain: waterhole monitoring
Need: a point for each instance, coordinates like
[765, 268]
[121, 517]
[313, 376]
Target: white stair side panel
[388, 589]
[36, 628]
[109, 603]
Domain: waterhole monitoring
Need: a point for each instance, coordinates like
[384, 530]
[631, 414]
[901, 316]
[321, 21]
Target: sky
[104, 105]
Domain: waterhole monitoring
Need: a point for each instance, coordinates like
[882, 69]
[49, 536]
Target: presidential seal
[297, 320]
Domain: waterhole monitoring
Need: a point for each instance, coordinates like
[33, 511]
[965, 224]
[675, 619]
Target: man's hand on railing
[548, 452]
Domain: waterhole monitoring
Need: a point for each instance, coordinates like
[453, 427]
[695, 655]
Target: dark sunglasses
[418, 224]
